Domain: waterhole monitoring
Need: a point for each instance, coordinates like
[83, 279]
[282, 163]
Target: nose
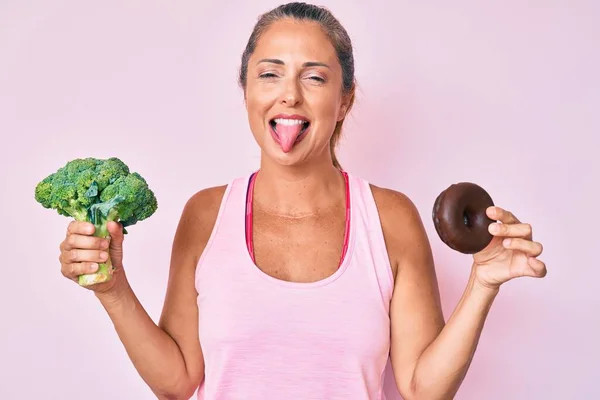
[291, 94]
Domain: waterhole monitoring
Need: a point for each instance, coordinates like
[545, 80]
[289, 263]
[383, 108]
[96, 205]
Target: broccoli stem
[80, 214]
[105, 270]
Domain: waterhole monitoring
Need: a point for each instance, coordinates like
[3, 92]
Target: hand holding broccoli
[97, 194]
[82, 253]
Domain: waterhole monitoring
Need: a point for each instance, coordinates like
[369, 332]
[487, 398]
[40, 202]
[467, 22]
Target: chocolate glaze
[460, 219]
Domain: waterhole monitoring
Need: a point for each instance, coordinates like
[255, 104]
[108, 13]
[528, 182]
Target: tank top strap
[230, 218]
[369, 236]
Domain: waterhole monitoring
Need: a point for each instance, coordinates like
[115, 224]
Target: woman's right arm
[167, 355]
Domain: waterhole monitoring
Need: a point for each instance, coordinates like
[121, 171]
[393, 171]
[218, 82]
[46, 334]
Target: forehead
[291, 39]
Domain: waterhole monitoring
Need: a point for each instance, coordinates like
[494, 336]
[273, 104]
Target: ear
[344, 106]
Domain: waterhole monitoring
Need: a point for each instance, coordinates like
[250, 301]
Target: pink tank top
[265, 338]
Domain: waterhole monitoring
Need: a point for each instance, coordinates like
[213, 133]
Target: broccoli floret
[98, 191]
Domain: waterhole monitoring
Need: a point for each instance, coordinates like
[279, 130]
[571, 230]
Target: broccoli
[97, 191]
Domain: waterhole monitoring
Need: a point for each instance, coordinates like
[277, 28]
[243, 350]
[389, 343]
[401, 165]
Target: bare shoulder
[393, 202]
[206, 202]
[402, 225]
[193, 231]
[199, 215]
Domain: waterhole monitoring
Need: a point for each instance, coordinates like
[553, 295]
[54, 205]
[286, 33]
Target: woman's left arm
[430, 357]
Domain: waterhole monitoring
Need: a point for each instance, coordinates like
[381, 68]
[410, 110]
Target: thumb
[115, 230]
[116, 234]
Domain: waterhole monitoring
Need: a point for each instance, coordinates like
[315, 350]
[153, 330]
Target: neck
[299, 190]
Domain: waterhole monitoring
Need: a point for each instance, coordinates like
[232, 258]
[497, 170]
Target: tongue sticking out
[288, 135]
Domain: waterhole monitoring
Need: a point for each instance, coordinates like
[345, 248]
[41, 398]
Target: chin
[294, 157]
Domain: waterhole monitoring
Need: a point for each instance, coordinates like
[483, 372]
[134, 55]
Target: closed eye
[270, 75]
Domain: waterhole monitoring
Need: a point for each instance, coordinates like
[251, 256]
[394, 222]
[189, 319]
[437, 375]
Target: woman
[299, 281]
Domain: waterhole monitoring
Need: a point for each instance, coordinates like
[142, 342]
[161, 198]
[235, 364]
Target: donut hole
[471, 218]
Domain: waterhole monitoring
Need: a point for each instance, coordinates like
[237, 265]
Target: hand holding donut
[465, 218]
[512, 253]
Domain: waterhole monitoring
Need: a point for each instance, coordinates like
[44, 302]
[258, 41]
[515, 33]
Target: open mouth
[297, 126]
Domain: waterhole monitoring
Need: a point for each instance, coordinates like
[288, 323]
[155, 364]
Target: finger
[538, 267]
[82, 255]
[502, 215]
[116, 233]
[511, 230]
[531, 248]
[80, 228]
[73, 270]
[75, 241]
[115, 228]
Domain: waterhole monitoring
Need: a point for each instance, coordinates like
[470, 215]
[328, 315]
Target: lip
[290, 116]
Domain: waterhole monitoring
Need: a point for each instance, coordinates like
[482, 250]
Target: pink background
[502, 94]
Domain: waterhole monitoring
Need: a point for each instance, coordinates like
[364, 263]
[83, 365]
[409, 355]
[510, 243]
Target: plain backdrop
[503, 93]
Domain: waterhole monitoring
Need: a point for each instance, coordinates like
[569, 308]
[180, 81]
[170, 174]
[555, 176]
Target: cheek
[255, 110]
[326, 101]
[258, 103]
[326, 108]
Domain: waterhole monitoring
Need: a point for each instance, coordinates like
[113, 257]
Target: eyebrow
[305, 65]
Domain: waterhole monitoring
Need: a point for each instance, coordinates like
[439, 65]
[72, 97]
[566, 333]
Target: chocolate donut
[460, 219]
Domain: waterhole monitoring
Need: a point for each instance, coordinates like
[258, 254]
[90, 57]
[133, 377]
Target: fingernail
[94, 267]
[506, 242]
[104, 255]
[494, 228]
